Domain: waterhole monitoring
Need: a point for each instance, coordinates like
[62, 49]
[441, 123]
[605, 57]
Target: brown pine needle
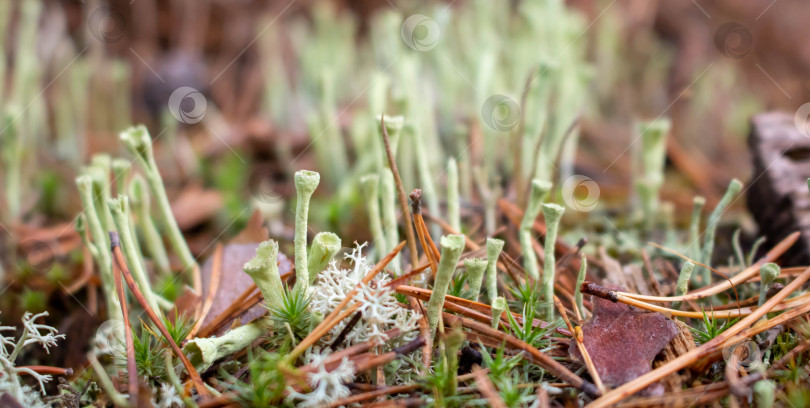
[132, 367]
[470, 308]
[741, 277]
[599, 291]
[122, 265]
[537, 356]
[216, 274]
[421, 231]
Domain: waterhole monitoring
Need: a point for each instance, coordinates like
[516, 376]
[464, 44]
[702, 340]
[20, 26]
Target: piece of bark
[623, 341]
[678, 346]
[778, 196]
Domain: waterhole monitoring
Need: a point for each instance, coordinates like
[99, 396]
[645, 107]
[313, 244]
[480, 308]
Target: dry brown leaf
[623, 341]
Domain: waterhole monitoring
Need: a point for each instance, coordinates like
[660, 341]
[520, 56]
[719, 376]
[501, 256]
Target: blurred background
[238, 95]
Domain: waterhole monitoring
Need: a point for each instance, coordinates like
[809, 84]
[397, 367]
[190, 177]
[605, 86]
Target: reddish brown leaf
[623, 340]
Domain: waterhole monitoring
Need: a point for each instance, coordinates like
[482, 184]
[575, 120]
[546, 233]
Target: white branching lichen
[379, 308]
[327, 386]
[10, 349]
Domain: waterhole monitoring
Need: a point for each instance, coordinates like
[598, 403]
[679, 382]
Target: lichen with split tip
[324, 247]
[452, 246]
[138, 142]
[263, 269]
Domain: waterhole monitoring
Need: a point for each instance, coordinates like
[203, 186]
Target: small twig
[403, 200]
[48, 370]
[119, 259]
[343, 333]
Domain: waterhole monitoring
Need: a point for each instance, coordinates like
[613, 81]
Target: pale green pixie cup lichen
[494, 248]
[475, 276]
[324, 247]
[538, 193]
[768, 273]
[263, 269]
[305, 184]
[552, 213]
[583, 269]
[653, 154]
[121, 169]
[452, 246]
[682, 286]
[498, 307]
[734, 188]
[764, 393]
[203, 352]
[389, 212]
[453, 205]
[694, 227]
[370, 184]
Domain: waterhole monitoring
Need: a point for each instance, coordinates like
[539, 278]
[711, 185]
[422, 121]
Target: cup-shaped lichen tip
[307, 181]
